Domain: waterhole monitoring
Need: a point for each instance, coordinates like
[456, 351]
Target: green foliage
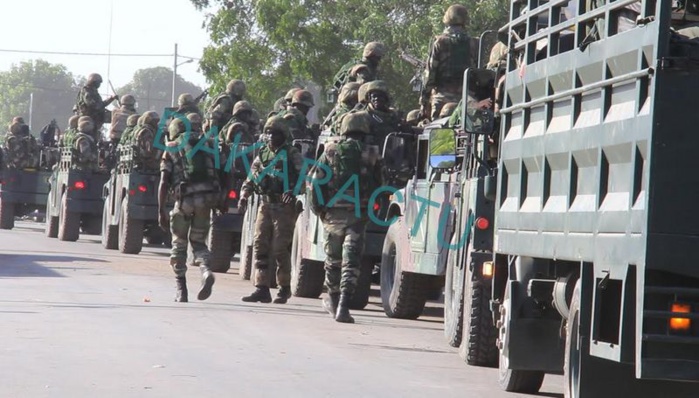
[53, 87]
[274, 45]
[152, 88]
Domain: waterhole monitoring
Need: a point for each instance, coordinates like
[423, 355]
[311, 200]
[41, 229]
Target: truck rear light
[232, 194]
[376, 207]
[679, 324]
[482, 223]
[142, 188]
[488, 268]
[79, 185]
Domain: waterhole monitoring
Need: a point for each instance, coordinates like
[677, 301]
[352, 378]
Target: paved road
[79, 321]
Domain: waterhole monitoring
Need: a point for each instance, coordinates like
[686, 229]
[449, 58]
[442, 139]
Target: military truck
[24, 191]
[593, 266]
[74, 200]
[308, 253]
[130, 210]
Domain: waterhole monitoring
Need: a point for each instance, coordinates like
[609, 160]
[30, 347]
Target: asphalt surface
[77, 320]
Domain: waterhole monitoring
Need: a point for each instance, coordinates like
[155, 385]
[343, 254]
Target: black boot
[343, 314]
[181, 295]
[207, 282]
[283, 295]
[260, 295]
[330, 303]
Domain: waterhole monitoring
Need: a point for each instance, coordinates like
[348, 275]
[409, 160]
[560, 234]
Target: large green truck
[593, 269]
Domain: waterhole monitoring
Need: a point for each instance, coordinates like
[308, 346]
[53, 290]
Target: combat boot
[343, 314]
[260, 295]
[283, 295]
[207, 282]
[181, 295]
[330, 303]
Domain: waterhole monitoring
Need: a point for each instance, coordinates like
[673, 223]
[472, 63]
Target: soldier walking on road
[273, 176]
[90, 102]
[193, 176]
[449, 57]
[345, 220]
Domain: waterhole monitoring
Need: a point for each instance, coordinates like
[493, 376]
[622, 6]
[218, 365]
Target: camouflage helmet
[376, 85]
[185, 99]
[349, 91]
[236, 87]
[234, 128]
[175, 128]
[94, 78]
[290, 94]
[448, 109]
[128, 99]
[85, 124]
[413, 117]
[361, 93]
[303, 97]
[18, 119]
[195, 121]
[73, 122]
[276, 123]
[132, 120]
[16, 128]
[242, 106]
[498, 55]
[355, 122]
[374, 49]
[151, 118]
[456, 15]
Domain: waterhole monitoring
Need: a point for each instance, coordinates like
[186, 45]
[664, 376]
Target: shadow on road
[28, 265]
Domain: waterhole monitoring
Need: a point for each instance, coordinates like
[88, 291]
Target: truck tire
[68, 222]
[360, 298]
[454, 300]
[7, 215]
[479, 335]
[110, 233]
[51, 220]
[307, 276]
[130, 231]
[403, 294]
[221, 248]
[514, 380]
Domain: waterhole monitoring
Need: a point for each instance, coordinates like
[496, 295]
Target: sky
[83, 26]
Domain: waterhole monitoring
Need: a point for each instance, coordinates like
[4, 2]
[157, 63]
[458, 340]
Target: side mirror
[442, 148]
[479, 84]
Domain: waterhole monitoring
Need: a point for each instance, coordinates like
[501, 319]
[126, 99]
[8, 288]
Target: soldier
[221, 108]
[85, 152]
[193, 177]
[365, 70]
[346, 101]
[120, 116]
[242, 114]
[90, 102]
[68, 136]
[21, 149]
[413, 118]
[131, 125]
[146, 153]
[295, 115]
[345, 221]
[276, 215]
[284, 102]
[186, 105]
[449, 57]
[384, 119]
[448, 109]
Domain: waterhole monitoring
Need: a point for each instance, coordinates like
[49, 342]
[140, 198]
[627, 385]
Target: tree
[276, 44]
[152, 88]
[54, 92]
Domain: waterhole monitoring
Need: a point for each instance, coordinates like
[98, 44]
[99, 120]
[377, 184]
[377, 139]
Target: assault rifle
[201, 96]
[416, 82]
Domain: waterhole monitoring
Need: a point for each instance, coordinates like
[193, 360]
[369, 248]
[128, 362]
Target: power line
[86, 54]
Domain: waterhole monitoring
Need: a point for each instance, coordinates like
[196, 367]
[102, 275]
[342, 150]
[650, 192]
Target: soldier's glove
[164, 220]
[287, 197]
[242, 205]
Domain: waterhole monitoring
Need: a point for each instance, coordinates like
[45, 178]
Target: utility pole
[174, 76]
[31, 109]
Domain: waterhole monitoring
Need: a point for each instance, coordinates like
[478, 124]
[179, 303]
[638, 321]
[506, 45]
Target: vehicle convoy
[75, 200]
[24, 191]
[593, 269]
[130, 211]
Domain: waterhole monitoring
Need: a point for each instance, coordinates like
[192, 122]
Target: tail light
[232, 195]
[488, 269]
[376, 207]
[679, 324]
[142, 188]
[482, 223]
[79, 185]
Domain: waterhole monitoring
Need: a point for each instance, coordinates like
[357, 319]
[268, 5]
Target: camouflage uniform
[344, 226]
[131, 126]
[449, 57]
[382, 121]
[191, 217]
[365, 70]
[146, 154]
[346, 102]
[21, 150]
[242, 115]
[68, 136]
[186, 105]
[90, 103]
[275, 221]
[85, 151]
[283, 102]
[295, 116]
[120, 117]
[221, 108]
